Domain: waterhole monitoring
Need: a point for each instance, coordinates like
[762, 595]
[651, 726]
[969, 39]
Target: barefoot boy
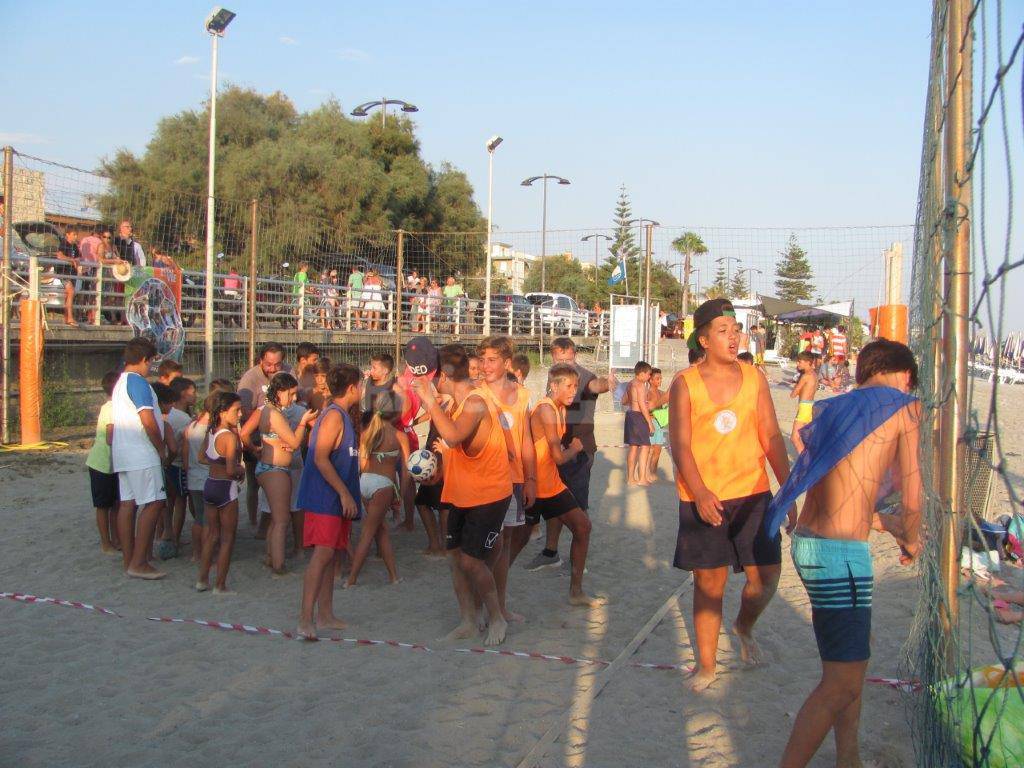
[513, 402]
[329, 498]
[138, 450]
[855, 441]
[723, 428]
[554, 499]
[638, 426]
[102, 478]
[805, 388]
[477, 485]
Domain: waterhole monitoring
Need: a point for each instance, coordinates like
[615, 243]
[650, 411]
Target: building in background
[512, 265]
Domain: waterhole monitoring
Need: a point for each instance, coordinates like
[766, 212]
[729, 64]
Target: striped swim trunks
[838, 577]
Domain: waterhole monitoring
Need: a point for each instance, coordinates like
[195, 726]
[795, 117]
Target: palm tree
[689, 244]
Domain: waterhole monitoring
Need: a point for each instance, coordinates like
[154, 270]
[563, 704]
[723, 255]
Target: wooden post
[253, 278]
[955, 338]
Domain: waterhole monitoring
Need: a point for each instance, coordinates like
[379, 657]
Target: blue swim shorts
[837, 574]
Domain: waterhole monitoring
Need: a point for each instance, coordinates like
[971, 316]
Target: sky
[740, 114]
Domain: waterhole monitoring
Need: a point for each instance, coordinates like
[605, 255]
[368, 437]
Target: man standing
[252, 389]
[137, 454]
[837, 343]
[580, 421]
[127, 247]
[307, 355]
[723, 427]
[452, 300]
[355, 295]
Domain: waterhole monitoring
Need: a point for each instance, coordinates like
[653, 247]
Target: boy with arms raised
[723, 428]
[477, 486]
[329, 498]
[513, 402]
[855, 441]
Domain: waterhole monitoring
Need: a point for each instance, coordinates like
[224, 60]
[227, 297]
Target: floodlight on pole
[364, 109]
[216, 23]
[492, 144]
[546, 177]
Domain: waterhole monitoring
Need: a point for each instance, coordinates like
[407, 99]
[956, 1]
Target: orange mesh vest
[549, 483]
[471, 481]
[724, 439]
[513, 419]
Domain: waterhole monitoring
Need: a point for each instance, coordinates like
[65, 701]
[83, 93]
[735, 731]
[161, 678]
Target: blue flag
[619, 273]
[840, 424]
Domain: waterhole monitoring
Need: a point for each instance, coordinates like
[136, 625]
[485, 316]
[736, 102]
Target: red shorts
[325, 530]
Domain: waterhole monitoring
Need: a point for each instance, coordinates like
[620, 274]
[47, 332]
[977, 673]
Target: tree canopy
[793, 273]
[323, 181]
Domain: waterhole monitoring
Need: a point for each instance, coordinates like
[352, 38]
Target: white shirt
[131, 448]
[178, 420]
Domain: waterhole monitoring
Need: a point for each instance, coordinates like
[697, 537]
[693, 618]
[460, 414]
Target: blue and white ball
[422, 465]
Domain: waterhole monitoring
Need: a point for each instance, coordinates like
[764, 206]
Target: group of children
[329, 445]
[497, 475]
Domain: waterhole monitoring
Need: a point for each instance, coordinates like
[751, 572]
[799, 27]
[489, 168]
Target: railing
[97, 299]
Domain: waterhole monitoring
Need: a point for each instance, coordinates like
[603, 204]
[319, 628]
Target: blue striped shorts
[838, 576]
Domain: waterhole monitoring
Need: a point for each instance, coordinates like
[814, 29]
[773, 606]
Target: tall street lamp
[364, 109]
[750, 285]
[216, 23]
[728, 266]
[546, 177]
[492, 144]
[596, 237]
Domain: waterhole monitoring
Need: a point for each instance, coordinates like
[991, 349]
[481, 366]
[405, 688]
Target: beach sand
[82, 688]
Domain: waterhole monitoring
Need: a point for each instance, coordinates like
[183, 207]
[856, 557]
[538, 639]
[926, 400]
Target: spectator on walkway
[128, 248]
[373, 299]
[355, 295]
[453, 294]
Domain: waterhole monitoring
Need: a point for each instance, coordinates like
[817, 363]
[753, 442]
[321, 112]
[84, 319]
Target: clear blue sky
[741, 114]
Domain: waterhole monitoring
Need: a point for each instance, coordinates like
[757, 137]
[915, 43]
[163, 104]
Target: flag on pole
[619, 273]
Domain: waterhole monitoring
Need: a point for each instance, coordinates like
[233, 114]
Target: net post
[5, 296]
[399, 266]
[957, 210]
[251, 287]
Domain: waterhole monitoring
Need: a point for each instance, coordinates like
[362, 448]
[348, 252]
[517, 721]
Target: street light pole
[750, 284]
[596, 237]
[545, 178]
[363, 109]
[216, 23]
[492, 145]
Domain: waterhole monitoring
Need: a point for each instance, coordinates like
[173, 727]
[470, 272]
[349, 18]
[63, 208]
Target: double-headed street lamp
[492, 144]
[728, 266]
[216, 23]
[749, 271]
[546, 177]
[596, 237]
[364, 109]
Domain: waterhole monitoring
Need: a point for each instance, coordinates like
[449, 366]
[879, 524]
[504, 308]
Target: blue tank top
[315, 493]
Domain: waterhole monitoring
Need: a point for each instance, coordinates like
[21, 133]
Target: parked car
[558, 313]
[521, 308]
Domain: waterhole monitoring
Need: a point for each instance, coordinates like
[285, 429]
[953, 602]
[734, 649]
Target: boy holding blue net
[858, 445]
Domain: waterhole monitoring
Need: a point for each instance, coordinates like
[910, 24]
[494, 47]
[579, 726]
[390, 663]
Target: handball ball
[165, 550]
[422, 464]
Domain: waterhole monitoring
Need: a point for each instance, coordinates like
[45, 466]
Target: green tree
[738, 288]
[793, 273]
[719, 289]
[625, 243]
[688, 244]
[564, 275]
[325, 184]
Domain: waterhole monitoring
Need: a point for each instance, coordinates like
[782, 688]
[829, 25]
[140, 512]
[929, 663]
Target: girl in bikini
[222, 451]
[273, 470]
[383, 454]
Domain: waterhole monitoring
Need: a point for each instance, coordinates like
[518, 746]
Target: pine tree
[625, 240]
[793, 273]
[720, 288]
[738, 288]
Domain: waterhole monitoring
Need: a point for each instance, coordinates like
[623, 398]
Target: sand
[81, 688]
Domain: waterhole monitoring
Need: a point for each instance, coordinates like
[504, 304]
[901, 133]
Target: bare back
[842, 504]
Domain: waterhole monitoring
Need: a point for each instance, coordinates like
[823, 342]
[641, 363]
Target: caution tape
[32, 599]
[907, 686]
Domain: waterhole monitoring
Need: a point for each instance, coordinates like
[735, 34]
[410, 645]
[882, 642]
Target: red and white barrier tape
[906, 686]
[22, 598]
